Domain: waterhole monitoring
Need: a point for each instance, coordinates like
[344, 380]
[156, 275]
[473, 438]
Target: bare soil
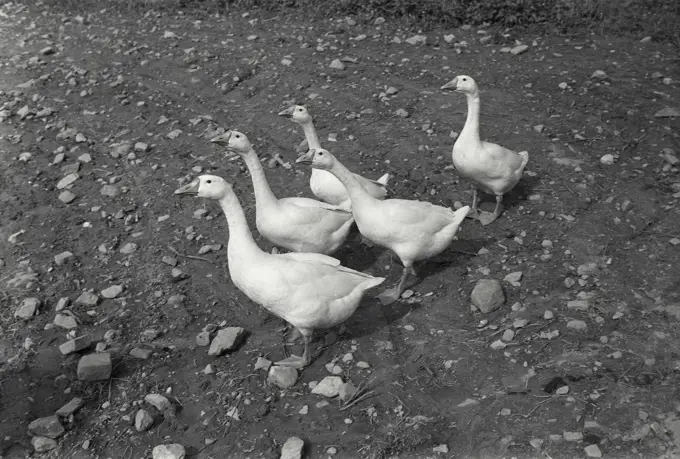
[574, 227]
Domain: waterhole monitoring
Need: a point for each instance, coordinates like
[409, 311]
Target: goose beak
[453, 84]
[189, 188]
[222, 139]
[306, 158]
[288, 113]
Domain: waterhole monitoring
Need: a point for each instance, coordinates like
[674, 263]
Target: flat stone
[227, 339]
[71, 407]
[141, 353]
[488, 295]
[87, 299]
[67, 197]
[109, 190]
[337, 64]
[61, 258]
[172, 451]
[49, 427]
[143, 420]
[174, 134]
[572, 436]
[599, 75]
[141, 146]
[519, 49]
[112, 292]
[29, 308]
[67, 180]
[593, 451]
[75, 345]
[578, 325]
[128, 248]
[347, 391]
[95, 367]
[283, 377]
[262, 364]
[667, 112]
[329, 386]
[158, 401]
[120, 149]
[65, 321]
[578, 305]
[513, 278]
[203, 339]
[43, 444]
[292, 448]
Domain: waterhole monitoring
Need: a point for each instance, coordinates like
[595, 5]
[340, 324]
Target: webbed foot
[294, 361]
[486, 218]
[389, 296]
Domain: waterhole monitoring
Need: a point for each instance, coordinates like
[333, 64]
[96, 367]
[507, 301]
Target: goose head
[206, 186]
[317, 158]
[462, 83]
[297, 113]
[234, 142]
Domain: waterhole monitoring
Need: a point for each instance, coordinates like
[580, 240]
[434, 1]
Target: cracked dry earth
[581, 360]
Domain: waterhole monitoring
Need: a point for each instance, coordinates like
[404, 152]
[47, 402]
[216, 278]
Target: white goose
[323, 184]
[307, 290]
[297, 224]
[414, 230]
[492, 168]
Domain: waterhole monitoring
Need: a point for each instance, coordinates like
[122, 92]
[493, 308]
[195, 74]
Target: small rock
[337, 64]
[80, 138]
[66, 197]
[539, 128]
[120, 149]
[158, 401]
[593, 451]
[128, 248]
[109, 190]
[416, 40]
[29, 308]
[498, 344]
[283, 377]
[444, 449]
[577, 325]
[667, 112]
[519, 49]
[174, 134]
[346, 391]
[46, 51]
[112, 292]
[599, 75]
[401, 113]
[49, 427]
[578, 305]
[43, 444]
[329, 386]
[262, 364]
[87, 299]
[141, 353]
[143, 420]
[536, 443]
[488, 295]
[563, 390]
[75, 345]
[646, 39]
[67, 180]
[71, 407]
[572, 436]
[141, 146]
[508, 335]
[563, 86]
[292, 448]
[548, 315]
[95, 367]
[172, 451]
[61, 258]
[65, 321]
[227, 339]
[203, 339]
[513, 278]
[669, 156]
[607, 160]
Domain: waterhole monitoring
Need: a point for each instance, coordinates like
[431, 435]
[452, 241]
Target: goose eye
[464, 79]
[208, 181]
[320, 153]
[237, 136]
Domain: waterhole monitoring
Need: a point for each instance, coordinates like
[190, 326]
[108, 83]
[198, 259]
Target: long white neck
[241, 240]
[471, 128]
[357, 192]
[263, 193]
[310, 135]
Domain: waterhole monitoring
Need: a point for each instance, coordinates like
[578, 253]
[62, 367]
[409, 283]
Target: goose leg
[294, 335]
[391, 295]
[295, 361]
[487, 217]
[473, 210]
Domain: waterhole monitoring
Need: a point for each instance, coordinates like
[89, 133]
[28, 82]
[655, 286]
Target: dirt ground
[603, 371]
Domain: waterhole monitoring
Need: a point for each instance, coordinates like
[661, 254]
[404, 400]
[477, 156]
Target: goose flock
[306, 287]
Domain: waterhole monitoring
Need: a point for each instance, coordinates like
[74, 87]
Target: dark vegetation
[659, 19]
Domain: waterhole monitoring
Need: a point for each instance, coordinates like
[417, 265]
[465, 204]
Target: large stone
[143, 420]
[75, 345]
[488, 295]
[95, 367]
[67, 180]
[49, 427]
[112, 292]
[158, 401]
[283, 377]
[65, 321]
[227, 339]
[87, 299]
[62, 257]
[120, 149]
[292, 448]
[70, 408]
[172, 451]
[28, 308]
[329, 386]
[109, 190]
[43, 444]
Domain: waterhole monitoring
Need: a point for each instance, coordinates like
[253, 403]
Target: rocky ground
[121, 335]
